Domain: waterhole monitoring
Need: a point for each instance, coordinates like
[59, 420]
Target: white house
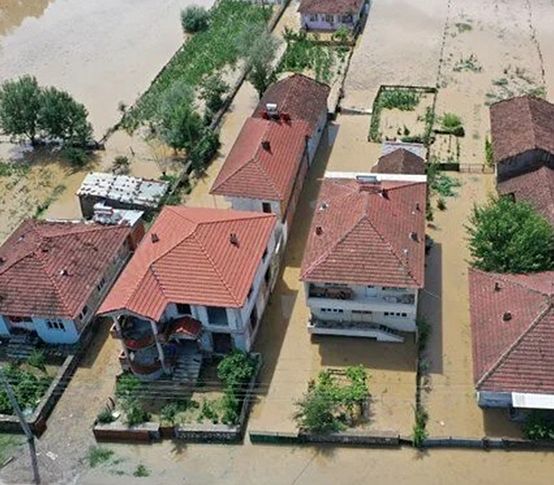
[55, 274]
[364, 261]
[267, 165]
[331, 14]
[198, 283]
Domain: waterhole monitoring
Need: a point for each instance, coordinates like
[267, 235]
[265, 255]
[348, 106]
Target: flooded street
[101, 51]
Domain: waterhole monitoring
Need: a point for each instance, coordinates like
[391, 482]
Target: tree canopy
[194, 19]
[510, 237]
[36, 113]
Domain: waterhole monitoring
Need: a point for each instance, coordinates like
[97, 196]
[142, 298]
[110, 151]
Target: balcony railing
[336, 293]
[345, 293]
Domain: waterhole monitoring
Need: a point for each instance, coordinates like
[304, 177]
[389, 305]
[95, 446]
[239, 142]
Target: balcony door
[222, 343]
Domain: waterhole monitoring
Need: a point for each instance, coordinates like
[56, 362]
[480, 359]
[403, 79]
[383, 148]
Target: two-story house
[364, 261]
[267, 165]
[55, 274]
[198, 283]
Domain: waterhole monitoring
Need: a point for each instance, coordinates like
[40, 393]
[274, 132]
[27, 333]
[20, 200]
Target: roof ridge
[502, 276]
[216, 270]
[515, 344]
[53, 281]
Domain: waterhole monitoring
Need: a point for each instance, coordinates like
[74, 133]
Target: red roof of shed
[341, 7]
[49, 269]
[188, 257]
[512, 322]
[367, 234]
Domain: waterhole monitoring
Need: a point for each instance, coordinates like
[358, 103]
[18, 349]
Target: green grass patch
[98, 455]
[28, 387]
[141, 471]
[8, 444]
[402, 99]
[305, 53]
[204, 53]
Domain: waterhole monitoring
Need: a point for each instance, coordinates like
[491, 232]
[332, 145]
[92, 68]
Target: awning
[532, 401]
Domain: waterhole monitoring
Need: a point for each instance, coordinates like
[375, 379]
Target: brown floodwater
[101, 51]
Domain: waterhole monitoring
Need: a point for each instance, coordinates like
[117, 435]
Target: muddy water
[101, 51]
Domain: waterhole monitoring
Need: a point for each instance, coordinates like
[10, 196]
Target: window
[264, 255]
[19, 319]
[55, 325]
[347, 19]
[329, 19]
[266, 207]
[332, 310]
[267, 276]
[362, 312]
[183, 309]
[61, 326]
[253, 320]
[250, 291]
[84, 312]
[101, 284]
[217, 315]
[313, 17]
[404, 315]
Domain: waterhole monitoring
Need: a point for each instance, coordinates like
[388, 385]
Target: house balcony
[144, 363]
[347, 298]
[136, 333]
[380, 332]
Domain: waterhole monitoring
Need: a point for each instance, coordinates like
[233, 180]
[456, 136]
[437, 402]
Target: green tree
[20, 102]
[204, 150]
[236, 369]
[510, 237]
[61, 118]
[176, 121]
[259, 48]
[213, 89]
[194, 19]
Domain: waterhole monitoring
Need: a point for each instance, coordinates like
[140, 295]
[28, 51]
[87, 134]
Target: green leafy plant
[105, 416]
[236, 368]
[441, 204]
[194, 19]
[452, 123]
[230, 408]
[27, 387]
[121, 165]
[208, 411]
[419, 432]
[134, 412]
[489, 156]
[402, 99]
[141, 471]
[169, 412]
[539, 426]
[204, 150]
[98, 455]
[37, 359]
[503, 237]
[127, 385]
[212, 91]
[77, 157]
[341, 35]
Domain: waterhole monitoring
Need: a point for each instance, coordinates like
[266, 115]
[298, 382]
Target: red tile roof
[300, 97]
[521, 124]
[187, 257]
[362, 235]
[536, 188]
[400, 161]
[257, 172]
[49, 269]
[513, 353]
[342, 7]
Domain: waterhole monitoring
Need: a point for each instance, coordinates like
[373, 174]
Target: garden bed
[214, 410]
[404, 113]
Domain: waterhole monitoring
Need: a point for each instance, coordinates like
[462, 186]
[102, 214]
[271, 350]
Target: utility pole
[24, 426]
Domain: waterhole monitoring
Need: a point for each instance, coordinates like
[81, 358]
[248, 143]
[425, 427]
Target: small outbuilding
[331, 14]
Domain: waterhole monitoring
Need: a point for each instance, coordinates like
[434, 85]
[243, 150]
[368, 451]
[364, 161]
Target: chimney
[64, 272]
[266, 145]
[272, 110]
[285, 117]
[233, 239]
[417, 207]
[265, 115]
[507, 316]
[384, 193]
[319, 230]
[497, 286]
[413, 236]
[2, 259]
[154, 237]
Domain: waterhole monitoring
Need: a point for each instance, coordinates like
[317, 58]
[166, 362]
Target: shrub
[489, 156]
[76, 157]
[236, 369]
[134, 412]
[204, 149]
[503, 237]
[97, 455]
[141, 471]
[105, 416]
[127, 386]
[539, 425]
[341, 35]
[212, 91]
[27, 387]
[121, 165]
[194, 19]
[208, 412]
[419, 434]
[37, 359]
[452, 123]
[169, 412]
[441, 204]
[230, 408]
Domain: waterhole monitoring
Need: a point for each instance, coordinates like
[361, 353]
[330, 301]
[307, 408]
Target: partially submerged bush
[402, 99]
[539, 426]
[105, 416]
[452, 123]
[194, 19]
[97, 455]
[236, 369]
[37, 359]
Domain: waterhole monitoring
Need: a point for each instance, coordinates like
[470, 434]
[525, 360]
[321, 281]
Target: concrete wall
[487, 399]
[313, 142]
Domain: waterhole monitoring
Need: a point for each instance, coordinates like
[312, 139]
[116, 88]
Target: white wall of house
[329, 21]
[56, 330]
[369, 304]
[238, 319]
